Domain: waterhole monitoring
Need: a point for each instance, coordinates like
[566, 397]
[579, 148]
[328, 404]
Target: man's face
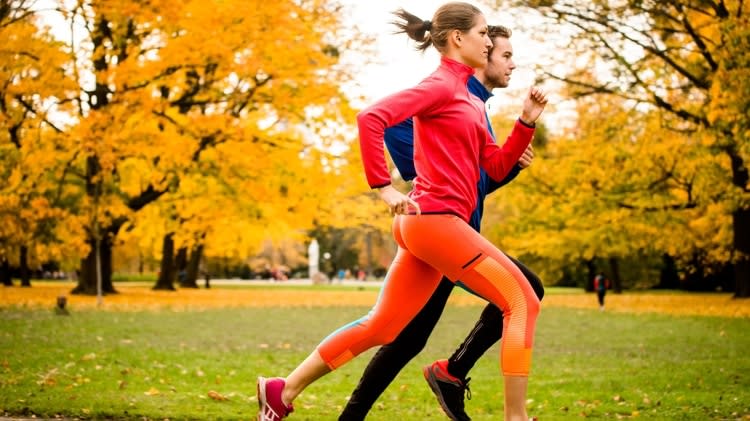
[500, 63]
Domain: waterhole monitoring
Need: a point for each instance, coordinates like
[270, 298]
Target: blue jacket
[399, 140]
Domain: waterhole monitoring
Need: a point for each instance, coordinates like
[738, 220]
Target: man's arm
[494, 185]
[523, 162]
[399, 140]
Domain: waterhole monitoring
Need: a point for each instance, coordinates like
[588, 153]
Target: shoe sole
[261, 387]
[432, 382]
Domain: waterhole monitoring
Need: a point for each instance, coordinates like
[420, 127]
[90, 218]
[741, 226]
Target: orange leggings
[430, 246]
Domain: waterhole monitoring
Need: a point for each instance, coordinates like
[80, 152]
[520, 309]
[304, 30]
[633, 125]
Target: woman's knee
[380, 332]
[533, 306]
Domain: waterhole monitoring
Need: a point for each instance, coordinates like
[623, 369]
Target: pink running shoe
[269, 399]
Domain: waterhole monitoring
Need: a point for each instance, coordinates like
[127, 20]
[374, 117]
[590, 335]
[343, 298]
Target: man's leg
[451, 386]
[390, 359]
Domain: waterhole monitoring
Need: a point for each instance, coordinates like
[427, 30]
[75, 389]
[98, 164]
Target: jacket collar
[477, 88]
[459, 69]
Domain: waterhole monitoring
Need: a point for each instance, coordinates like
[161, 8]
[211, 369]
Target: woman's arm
[373, 120]
[498, 161]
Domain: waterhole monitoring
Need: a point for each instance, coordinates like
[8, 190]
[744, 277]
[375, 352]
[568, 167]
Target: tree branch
[697, 39]
[31, 109]
[615, 28]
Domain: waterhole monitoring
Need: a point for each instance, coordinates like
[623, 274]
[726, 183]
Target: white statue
[313, 252]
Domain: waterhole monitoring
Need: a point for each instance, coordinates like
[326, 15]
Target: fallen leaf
[216, 396]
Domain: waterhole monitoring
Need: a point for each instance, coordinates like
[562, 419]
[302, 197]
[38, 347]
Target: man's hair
[494, 31]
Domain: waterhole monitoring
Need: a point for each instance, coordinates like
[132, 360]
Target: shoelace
[465, 386]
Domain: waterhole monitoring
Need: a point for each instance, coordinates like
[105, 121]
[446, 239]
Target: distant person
[182, 277]
[601, 285]
[206, 277]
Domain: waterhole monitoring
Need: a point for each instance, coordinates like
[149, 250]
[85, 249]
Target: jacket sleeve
[497, 160]
[373, 120]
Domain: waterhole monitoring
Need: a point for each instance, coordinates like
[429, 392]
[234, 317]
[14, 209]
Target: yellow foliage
[140, 298]
[617, 185]
[217, 114]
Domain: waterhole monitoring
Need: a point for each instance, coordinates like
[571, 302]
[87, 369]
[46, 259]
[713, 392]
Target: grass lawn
[148, 355]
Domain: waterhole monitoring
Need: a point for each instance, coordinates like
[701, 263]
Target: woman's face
[475, 44]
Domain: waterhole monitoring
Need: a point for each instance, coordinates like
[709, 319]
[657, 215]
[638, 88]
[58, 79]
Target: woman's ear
[456, 37]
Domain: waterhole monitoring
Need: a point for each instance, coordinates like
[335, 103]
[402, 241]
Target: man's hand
[398, 202]
[527, 157]
[533, 105]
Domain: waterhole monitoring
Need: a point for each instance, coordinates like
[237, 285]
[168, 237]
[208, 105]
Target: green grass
[161, 365]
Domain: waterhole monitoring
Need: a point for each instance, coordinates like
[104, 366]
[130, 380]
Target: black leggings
[390, 359]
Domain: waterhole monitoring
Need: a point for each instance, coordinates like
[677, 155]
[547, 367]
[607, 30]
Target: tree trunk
[5, 275]
[590, 275]
[87, 279]
[181, 263]
[614, 267]
[368, 245]
[24, 267]
[191, 279]
[668, 276]
[167, 272]
[741, 222]
[140, 263]
[741, 226]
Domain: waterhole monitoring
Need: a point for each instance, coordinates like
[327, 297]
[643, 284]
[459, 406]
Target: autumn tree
[687, 58]
[174, 94]
[620, 190]
[35, 225]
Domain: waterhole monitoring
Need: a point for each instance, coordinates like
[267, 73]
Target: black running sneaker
[448, 389]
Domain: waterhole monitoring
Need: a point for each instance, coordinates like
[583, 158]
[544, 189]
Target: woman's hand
[398, 202]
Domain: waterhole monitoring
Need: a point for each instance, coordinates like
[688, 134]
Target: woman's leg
[407, 287]
[487, 330]
[391, 358]
[489, 273]
[494, 279]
